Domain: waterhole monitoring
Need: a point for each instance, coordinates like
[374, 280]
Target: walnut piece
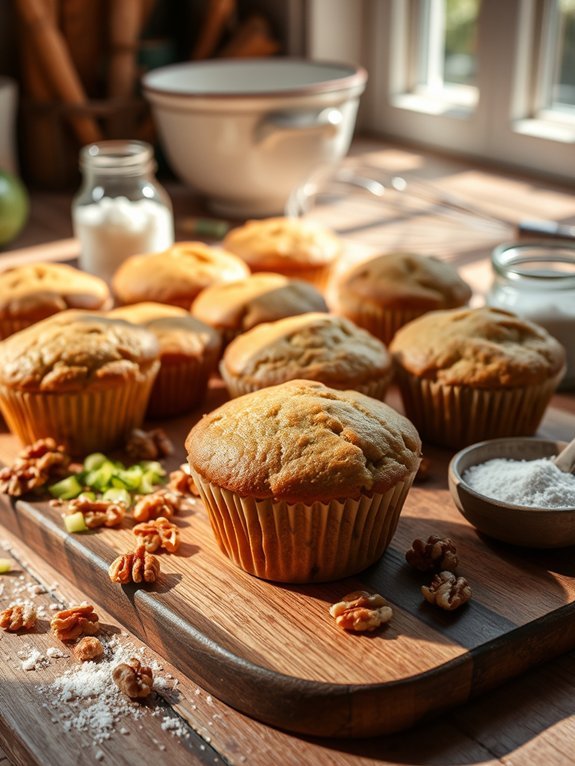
[361, 611]
[133, 679]
[158, 533]
[137, 567]
[97, 513]
[156, 504]
[437, 554]
[35, 466]
[88, 648]
[18, 617]
[77, 621]
[447, 591]
[149, 445]
[181, 482]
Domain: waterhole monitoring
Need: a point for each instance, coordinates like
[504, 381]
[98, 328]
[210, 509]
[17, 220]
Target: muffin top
[264, 297]
[38, 290]
[303, 441]
[402, 280]
[283, 243]
[75, 350]
[179, 334]
[176, 275]
[314, 346]
[484, 348]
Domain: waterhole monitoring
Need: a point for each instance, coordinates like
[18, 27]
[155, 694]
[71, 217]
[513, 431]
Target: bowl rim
[453, 471]
[357, 76]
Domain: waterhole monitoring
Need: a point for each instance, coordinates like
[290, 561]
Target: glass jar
[536, 280]
[120, 209]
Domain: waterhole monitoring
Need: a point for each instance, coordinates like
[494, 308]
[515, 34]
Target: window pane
[563, 90]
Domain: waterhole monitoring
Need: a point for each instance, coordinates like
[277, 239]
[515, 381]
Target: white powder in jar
[115, 227]
[534, 483]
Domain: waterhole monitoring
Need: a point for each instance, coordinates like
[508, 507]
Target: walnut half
[361, 611]
[158, 533]
[77, 621]
[97, 513]
[18, 617]
[447, 591]
[137, 567]
[434, 555]
[88, 648]
[133, 679]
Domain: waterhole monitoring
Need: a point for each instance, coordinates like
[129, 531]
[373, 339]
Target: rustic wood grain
[312, 677]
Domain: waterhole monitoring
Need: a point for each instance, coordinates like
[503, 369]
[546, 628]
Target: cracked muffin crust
[303, 483]
[176, 275]
[313, 346]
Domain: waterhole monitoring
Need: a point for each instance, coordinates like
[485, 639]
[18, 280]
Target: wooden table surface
[530, 721]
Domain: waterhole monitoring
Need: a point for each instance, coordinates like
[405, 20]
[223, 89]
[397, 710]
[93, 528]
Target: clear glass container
[120, 209]
[536, 280]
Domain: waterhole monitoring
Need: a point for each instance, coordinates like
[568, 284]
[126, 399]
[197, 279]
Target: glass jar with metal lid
[536, 281]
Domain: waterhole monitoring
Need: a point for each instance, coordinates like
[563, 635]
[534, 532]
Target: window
[487, 78]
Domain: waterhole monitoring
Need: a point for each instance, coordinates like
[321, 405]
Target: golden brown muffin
[311, 346]
[235, 307]
[177, 275]
[189, 353]
[385, 292]
[302, 482]
[471, 374]
[295, 247]
[82, 378]
[35, 291]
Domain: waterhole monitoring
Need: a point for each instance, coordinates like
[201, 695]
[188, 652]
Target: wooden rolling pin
[125, 24]
[218, 15]
[57, 64]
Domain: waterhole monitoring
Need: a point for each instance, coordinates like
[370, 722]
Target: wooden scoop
[565, 460]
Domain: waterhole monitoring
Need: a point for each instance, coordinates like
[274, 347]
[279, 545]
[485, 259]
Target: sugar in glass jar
[120, 209]
[536, 280]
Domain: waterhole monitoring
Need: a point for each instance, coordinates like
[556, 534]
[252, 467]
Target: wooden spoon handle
[565, 460]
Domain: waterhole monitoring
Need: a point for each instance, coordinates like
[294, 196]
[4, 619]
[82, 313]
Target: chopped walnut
[97, 513]
[18, 617]
[361, 611]
[77, 621]
[88, 648]
[137, 567]
[35, 466]
[156, 504]
[424, 471]
[437, 554]
[181, 482]
[149, 445]
[447, 591]
[158, 533]
[133, 679]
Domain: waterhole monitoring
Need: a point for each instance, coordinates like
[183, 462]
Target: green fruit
[13, 207]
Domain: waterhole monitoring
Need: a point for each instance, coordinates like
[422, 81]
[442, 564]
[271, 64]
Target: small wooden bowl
[516, 524]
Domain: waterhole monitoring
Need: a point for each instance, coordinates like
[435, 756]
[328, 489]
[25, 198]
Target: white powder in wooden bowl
[534, 483]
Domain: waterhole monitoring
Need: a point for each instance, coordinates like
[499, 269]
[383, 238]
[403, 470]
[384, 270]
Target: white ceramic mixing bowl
[246, 133]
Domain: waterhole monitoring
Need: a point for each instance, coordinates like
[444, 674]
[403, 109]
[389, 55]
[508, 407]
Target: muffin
[176, 275]
[189, 353]
[235, 307]
[387, 291]
[471, 374]
[303, 483]
[322, 347]
[38, 290]
[294, 247]
[82, 378]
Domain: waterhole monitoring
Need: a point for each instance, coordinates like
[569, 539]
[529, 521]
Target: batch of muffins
[305, 469]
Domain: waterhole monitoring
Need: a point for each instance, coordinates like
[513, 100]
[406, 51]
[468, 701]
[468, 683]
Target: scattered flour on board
[534, 483]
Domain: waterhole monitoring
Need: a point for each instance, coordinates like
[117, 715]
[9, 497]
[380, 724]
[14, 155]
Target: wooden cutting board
[273, 651]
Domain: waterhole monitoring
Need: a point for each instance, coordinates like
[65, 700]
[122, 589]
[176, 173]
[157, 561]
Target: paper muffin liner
[376, 388]
[85, 421]
[300, 542]
[380, 321]
[456, 416]
[179, 388]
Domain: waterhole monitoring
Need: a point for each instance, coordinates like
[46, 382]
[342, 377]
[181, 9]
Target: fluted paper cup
[380, 321]
[179, 388]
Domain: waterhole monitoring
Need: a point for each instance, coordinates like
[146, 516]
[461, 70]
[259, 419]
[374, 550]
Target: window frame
[522, 135]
